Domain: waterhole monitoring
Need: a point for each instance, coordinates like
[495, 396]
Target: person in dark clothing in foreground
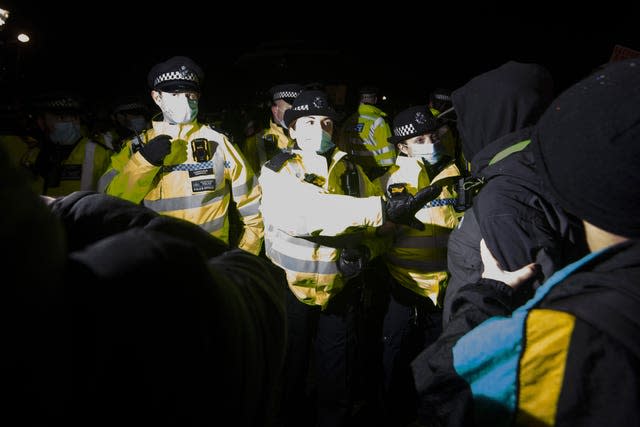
[570, 355]
[518, 219]
[129, 315]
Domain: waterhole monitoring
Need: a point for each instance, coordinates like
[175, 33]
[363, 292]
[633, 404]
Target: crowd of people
[469, 261]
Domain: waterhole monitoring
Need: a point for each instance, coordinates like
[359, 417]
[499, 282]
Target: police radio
[467, 187]
[201, 150]
[350, 180]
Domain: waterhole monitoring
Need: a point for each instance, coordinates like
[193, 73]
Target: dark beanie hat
[587, 148]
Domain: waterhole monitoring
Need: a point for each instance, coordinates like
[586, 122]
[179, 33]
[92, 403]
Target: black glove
[401, 207]
[156, 149]
[353, 261]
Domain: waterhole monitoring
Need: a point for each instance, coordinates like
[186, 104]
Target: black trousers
[411, 323]
[319, 366]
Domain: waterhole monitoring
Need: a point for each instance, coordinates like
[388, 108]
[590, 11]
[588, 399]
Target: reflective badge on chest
[203, 185]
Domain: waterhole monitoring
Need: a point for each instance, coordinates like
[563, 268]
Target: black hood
[499, 102]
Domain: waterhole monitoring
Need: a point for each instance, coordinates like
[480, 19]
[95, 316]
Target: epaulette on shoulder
[220, 130]
[277, 161]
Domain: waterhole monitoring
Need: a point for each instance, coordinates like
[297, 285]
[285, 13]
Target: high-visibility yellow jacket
[364, 136]
[418, 259]
[23, 151]
[308, 216]
[450, 142]
[80, 170]
[200, 192]
[263, 145]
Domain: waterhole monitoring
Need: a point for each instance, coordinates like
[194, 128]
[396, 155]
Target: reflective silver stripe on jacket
[244, 189]
[299, 265]
[88, 164]
[106, 179]
[213, 225]
[186, 202]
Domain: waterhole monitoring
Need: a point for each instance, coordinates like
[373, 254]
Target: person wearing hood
[186, 169]
[570, 355]
[517, 217]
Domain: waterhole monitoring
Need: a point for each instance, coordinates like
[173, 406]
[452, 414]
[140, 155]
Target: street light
[23, 38]
[4, 16]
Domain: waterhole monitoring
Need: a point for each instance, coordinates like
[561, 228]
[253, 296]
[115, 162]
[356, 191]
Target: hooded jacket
[518, 218]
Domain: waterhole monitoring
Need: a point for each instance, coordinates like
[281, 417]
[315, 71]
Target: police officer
[186, 169]
[68, 160]
[320, 228]
[263, 145]
[364, 135]
[417, 259]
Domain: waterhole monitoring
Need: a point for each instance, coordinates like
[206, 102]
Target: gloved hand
[353, 261]
[156, 149]
[401, 207]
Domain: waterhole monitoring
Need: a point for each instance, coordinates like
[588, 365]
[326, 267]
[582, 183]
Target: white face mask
[177, 108]
[65, 133]
[310, 135]
[431, 152]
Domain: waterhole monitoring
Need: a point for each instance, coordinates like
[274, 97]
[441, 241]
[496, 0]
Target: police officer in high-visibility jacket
[321, 213]
[441, 107]
[264, 144]
[417, 259]
[68, 160]
[186, 169]
[364, 135]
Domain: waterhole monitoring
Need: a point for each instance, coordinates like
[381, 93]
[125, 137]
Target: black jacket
[574, 347]
[157, 322]
[519, 220]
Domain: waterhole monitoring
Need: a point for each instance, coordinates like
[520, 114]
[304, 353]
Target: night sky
[406, 49]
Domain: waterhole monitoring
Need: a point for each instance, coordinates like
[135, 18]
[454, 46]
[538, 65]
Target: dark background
[104, 50]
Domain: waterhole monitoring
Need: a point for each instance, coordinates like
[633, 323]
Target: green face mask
[325, 144]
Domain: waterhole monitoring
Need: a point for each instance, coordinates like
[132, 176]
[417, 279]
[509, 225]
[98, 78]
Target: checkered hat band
[304, 107]
[61, 103]
[285, 94]
[404, 130]
[177, 75]
[440, 202]
[131, 106]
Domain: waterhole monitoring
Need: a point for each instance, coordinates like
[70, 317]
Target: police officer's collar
[177, 130]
